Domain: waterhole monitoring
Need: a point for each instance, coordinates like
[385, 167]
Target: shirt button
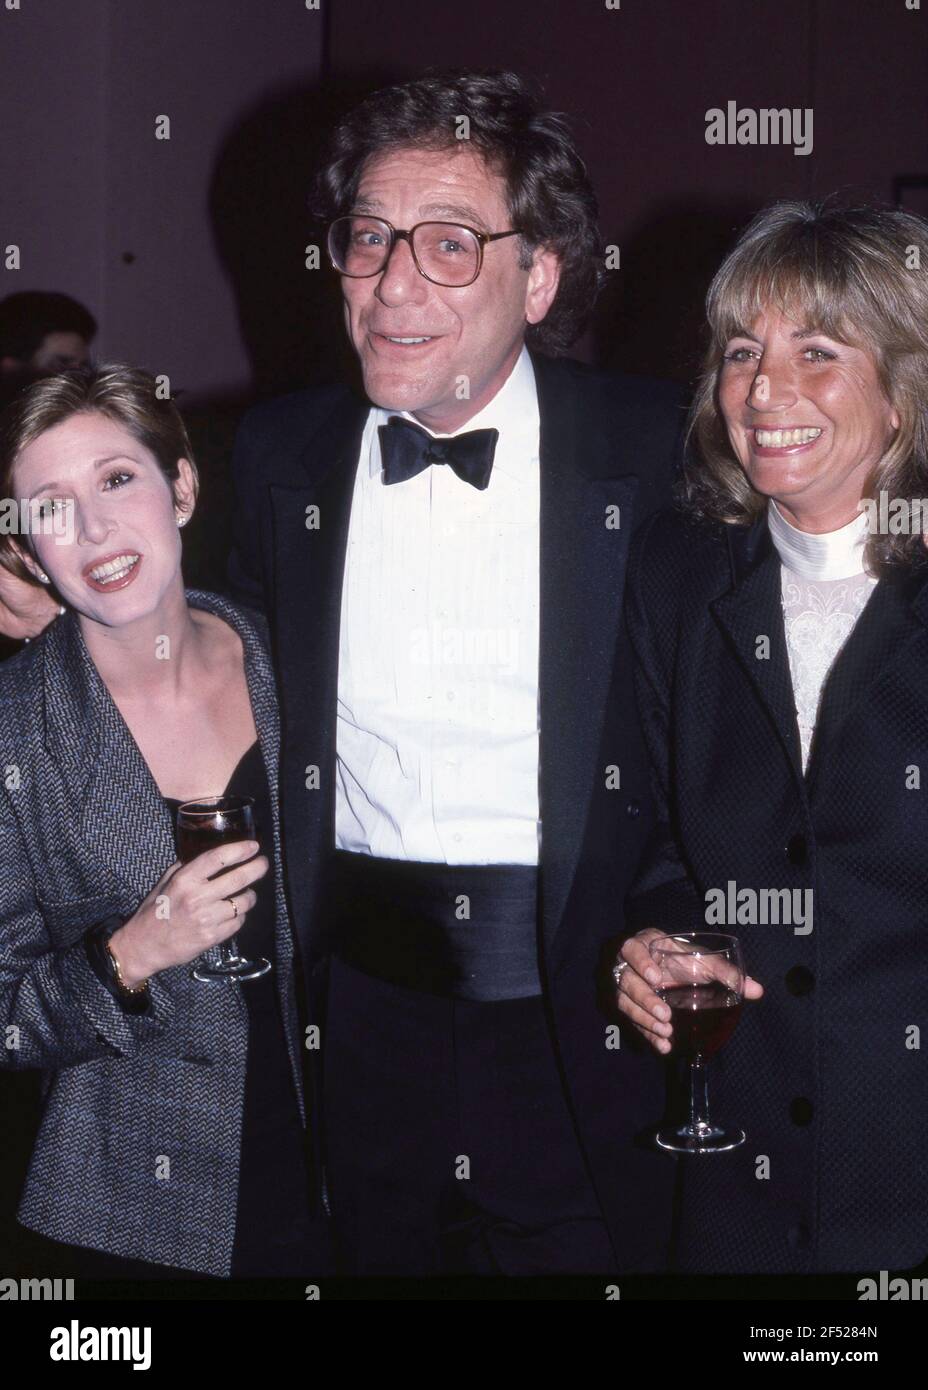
[450, 694]
[797, 850]
[800, 981]
[800, 1110]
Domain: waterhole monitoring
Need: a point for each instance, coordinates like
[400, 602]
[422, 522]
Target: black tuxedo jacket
[606, 442]
[825, 1073]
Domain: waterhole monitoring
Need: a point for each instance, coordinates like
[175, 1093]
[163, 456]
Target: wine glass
[702, 982]
[202, 825]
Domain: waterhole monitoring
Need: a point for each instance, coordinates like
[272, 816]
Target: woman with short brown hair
[173, 1133]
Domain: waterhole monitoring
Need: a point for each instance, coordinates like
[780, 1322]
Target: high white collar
[827, 555]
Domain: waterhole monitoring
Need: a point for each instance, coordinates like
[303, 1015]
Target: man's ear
[32, 565]
[543, 280]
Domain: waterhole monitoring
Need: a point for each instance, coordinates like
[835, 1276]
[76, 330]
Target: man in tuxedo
[465, 796]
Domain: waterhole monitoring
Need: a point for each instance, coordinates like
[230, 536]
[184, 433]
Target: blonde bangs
[816, 294]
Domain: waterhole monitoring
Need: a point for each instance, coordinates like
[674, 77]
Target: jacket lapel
[896, 611]
[582, 576]
[752, 616]
[309, 563]
[123, 822]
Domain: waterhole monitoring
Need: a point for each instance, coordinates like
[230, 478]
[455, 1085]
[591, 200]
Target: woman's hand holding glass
[189, 910]
[635, 990]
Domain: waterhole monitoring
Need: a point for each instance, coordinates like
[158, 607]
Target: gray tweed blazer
[138, 1148]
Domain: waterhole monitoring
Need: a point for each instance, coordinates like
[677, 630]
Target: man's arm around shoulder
[268, 444]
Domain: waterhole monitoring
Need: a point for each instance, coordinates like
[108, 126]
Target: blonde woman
[781, 634]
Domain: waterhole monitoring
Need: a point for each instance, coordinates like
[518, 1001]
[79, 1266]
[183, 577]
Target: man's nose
[399, 279]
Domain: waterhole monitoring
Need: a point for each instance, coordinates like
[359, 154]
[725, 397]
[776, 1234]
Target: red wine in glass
[203, 825]
[703, 1017]
[702, 982]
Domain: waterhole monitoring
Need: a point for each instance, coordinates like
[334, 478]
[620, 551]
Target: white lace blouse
[825, 589]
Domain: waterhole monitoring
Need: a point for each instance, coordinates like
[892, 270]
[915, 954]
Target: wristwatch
[126, 989]
[134, 1000]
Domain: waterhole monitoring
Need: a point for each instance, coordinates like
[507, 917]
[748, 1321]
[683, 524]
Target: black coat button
[798, 1236]
[633, 809]
[799, 980]
[800, 1110]
[797, 850]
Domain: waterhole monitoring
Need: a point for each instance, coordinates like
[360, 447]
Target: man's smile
[403, 342]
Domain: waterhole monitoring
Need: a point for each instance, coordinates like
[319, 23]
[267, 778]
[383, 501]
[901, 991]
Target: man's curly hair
[548, 191]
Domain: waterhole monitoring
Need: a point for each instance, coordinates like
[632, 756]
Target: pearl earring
[182, 521]
[43, 577]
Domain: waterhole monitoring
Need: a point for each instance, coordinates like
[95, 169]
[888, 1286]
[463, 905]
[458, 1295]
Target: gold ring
[234, 905]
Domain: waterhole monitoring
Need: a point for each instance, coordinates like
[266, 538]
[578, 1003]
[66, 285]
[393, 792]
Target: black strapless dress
[273, 1221]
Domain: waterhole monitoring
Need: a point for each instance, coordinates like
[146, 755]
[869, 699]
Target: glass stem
[699, 1096]
[228, 951]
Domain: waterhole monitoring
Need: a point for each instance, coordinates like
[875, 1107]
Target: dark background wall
[190, 252]
[639, 79]
[124, 221]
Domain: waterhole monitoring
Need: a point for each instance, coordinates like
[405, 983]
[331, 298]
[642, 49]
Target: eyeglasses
[443, 252]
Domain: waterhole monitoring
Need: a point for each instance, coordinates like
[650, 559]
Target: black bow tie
[406, 449]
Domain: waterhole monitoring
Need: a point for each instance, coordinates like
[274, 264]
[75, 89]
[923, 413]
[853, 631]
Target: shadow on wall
[648, 321]
[290, 316]
[651, 318]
